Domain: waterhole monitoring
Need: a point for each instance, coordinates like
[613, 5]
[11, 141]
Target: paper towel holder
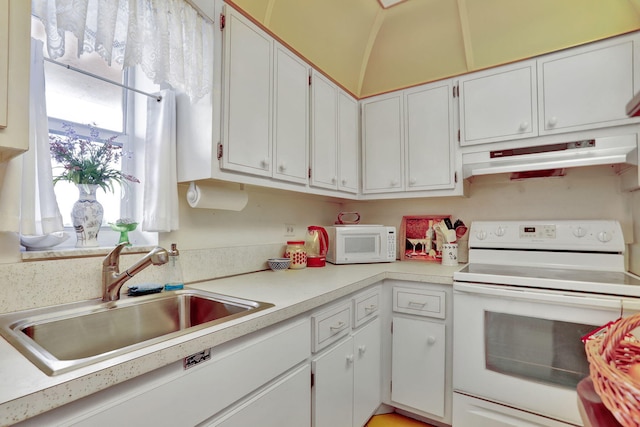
[216, 198]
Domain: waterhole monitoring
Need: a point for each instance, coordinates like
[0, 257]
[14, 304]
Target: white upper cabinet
[588, 86]
[575, 89]
[348, 144]
[334, 136]
[291, 116]
[265, 104]
[383, 143]
[408, 141]
[498, 104]
[429, 135]
[324, 132]
[247, 97]
[4, 61]
[14, 68]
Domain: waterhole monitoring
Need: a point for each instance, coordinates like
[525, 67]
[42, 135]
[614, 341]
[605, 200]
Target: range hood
[589, 152]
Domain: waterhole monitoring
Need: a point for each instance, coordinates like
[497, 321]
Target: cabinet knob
[524, 125]
[344, 181]
[431, 340]
[349, 359]
[394, 182]
[552, 121]
[362, 349]
[412, 181]
[265, 163]
[282, 167]
[334, 179]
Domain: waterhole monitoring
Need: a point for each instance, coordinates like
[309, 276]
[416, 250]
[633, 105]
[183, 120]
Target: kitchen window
[80, 100]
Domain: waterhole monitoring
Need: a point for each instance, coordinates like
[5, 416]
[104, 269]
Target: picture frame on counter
[419, 239]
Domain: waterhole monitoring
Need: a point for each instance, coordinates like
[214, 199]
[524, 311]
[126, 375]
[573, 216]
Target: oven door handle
[541, 296]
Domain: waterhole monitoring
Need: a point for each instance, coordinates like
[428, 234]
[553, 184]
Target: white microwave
[359, 244]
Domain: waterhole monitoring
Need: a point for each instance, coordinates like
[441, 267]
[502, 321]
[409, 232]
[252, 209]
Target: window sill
[61, 253]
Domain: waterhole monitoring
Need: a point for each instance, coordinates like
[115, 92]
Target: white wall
[217, 243]
[261, 222]
[583, 193]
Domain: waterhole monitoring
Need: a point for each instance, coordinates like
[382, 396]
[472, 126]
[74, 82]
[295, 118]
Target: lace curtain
[170, 41]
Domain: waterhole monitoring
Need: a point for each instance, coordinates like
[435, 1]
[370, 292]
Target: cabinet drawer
[365, 307]
[330, 325]
[421, 302]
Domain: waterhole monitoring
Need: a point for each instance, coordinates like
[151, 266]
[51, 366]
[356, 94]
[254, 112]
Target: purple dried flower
[87, 161]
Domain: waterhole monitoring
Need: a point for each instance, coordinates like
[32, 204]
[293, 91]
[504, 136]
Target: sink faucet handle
[113, 258]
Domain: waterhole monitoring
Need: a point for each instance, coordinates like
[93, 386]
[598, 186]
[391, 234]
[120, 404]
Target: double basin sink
[60, 339]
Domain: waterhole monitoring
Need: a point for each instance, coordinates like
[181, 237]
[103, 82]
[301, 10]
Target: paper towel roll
[216, 198]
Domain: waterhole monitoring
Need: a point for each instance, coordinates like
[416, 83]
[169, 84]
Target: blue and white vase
[86, 216]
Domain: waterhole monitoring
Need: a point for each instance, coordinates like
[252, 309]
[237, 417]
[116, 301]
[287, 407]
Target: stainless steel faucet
[112, 279]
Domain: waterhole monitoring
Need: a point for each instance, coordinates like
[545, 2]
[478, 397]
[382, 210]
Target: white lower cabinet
[284, 404]
[347, 373]
[346, 390]
[248, 373]
[366, 372]
[421, 350]
[418, 366]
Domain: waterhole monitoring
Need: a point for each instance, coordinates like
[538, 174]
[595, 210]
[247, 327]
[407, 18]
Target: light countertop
[26, 391]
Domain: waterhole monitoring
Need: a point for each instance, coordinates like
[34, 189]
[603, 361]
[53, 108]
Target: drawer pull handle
[417, 304]
[370, 308]
[338, 327]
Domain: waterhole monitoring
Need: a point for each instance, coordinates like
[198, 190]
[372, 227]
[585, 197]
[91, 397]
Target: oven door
[521, 347]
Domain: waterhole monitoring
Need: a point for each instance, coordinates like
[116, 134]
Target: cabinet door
[324, 132]
[348, 144]
[332, 394]
[4, 61]
[287, 403]
[418, 365]
[367, 372]
[291, 116]
[247, 74]
[429, 136]
[382, 144]
[15, 16]
[498, 105]
[586, 87]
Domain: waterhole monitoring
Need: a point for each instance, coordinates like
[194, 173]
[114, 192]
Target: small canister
[297, 253]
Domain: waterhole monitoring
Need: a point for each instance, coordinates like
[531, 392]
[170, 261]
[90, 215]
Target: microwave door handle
[524, 295]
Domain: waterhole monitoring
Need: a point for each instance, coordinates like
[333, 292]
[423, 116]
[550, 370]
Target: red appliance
[316, 244]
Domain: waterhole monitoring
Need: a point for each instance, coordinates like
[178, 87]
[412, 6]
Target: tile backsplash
[33, 284]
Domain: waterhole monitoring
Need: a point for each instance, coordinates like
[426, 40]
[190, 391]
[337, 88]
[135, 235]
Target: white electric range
[531, 290]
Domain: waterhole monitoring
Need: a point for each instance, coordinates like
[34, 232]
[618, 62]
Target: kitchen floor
[394, 420]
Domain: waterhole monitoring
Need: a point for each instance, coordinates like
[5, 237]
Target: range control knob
[481, 235]
[604, 236]
[580, 232]
[500, 231]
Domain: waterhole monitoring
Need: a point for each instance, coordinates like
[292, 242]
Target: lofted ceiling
[369, 49]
